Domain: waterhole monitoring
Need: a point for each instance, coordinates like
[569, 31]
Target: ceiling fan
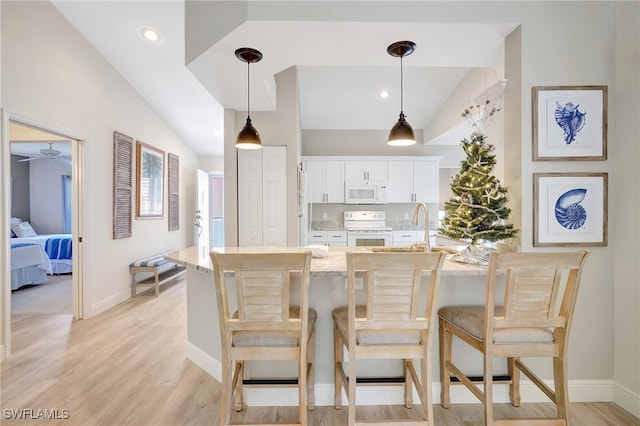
[50, 154]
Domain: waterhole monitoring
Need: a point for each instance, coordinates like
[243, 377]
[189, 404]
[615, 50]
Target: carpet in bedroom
[53, 297]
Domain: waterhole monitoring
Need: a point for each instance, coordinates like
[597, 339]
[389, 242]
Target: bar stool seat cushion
[471, 320]
[273, 338]
[373, 337]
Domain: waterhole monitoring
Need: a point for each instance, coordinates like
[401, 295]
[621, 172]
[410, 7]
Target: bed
[29, 264]
[56, 246]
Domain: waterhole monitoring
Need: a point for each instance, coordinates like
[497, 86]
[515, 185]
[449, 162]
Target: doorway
[38, 149]
[216, 209]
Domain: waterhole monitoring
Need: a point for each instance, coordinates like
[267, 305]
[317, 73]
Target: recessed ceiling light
[150, 34]
[383, 94]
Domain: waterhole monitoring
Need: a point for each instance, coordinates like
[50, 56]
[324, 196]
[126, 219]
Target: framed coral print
[570, 209]
[150, 179]
[569, 123]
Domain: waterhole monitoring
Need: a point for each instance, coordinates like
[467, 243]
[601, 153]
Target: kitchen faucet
[426, 223]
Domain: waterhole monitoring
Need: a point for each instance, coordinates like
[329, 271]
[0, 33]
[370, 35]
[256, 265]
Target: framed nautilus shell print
[569, 123]
[570, 209]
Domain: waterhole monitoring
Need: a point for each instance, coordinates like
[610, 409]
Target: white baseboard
[205, 361]
[626, 399]
[579, 391]
[108, 303]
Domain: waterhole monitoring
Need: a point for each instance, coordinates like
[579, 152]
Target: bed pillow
[13, 220]
[23, 229]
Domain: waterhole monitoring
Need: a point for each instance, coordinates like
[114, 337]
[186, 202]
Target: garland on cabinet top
[478, 208]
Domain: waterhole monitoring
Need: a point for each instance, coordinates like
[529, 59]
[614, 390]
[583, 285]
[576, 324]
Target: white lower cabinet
[330, 238]
[407, 238]
[337, 238]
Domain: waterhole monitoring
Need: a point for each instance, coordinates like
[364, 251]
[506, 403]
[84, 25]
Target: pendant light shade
[248, 138]
[401, 133]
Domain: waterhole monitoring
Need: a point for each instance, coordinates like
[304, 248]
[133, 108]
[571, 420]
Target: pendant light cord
[401, 89]
[248, 90]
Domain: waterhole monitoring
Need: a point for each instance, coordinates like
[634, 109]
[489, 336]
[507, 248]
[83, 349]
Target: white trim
[626, 399]
[205, 361]
[579, 391]
[5, 253]
[78, 211]
[109, 302]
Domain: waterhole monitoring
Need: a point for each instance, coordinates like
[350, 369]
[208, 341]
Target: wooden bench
[162, 269]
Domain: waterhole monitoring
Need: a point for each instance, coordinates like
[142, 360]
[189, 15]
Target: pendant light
[401, 134]
[248, 138]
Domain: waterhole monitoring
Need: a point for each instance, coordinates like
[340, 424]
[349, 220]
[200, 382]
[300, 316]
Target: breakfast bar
[460, 284]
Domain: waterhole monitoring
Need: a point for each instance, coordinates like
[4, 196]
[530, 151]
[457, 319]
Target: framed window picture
[150, 181]
[570, 209]
[569, 123]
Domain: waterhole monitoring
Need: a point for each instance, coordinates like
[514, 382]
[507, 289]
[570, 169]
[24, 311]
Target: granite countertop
[396, 225]
[333, 265]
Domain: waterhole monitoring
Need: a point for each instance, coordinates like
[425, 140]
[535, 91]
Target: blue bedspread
[58, 248]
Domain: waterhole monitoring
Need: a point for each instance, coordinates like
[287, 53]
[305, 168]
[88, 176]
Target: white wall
[51, 74]
[624, 201]
[211, 163]
[45, 195]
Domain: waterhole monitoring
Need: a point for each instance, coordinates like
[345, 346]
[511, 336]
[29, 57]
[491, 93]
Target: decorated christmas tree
[477, 210]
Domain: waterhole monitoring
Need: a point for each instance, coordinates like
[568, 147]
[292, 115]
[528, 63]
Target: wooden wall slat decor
[174, 191]
[122, 185]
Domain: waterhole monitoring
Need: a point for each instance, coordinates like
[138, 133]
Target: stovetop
[370, 221]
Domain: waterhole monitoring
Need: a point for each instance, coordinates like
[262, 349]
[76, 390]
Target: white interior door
[216, 209]
[262, 197]
[250, 197]
[201, 223]
[274, 196]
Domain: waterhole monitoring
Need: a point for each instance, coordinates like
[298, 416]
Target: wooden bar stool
[390, 325]
[529, 324]
[265, 326]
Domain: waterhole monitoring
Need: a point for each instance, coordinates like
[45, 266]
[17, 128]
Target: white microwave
[357, 192]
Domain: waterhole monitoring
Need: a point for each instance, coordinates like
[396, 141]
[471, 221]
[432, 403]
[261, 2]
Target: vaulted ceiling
[342, 66]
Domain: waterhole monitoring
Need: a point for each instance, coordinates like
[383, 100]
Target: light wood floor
[127, 366]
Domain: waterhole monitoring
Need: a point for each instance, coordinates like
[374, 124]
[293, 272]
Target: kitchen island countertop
[333, 265]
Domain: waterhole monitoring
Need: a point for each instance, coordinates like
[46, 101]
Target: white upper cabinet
[413, 181]
[409, 179]
[325, 181]
[366, 171]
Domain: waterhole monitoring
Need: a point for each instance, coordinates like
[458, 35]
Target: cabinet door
[425, 181]
[334, 181]
[366, 170]
[315, 181]
[377, 171]
[337, 238]
[355, 170]
[400, 182]
[404, 238]
[317, 237]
